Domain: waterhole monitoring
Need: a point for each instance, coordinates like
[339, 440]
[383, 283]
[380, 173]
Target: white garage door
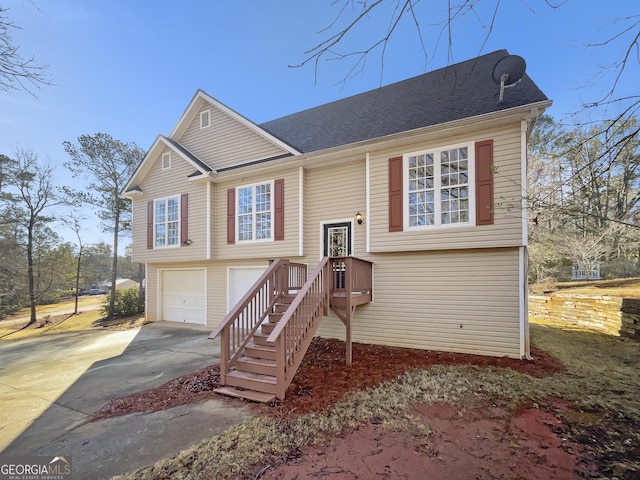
[240, 280]
[183, 296]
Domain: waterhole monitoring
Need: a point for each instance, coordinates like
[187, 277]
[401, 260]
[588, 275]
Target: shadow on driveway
[51, 385]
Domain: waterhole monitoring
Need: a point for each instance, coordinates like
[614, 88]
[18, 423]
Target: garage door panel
[183, 296]
[241, 279]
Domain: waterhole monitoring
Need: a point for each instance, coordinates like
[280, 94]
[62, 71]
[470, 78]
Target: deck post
[326, 288]
[348, 310]
[281, 382]
[224, 355]
[349, 352]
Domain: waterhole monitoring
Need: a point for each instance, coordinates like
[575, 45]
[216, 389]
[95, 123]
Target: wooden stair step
[260, 339]
[262, 366]
[260, 351]
[267, 327]
[252, 395]
[252, 381]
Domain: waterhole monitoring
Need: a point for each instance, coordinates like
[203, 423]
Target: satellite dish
[508, 72]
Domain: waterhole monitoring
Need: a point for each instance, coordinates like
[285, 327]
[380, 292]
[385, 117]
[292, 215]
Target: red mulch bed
[323, 378]
[310, 391]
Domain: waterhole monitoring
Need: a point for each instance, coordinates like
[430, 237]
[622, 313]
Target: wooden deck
[357, 298]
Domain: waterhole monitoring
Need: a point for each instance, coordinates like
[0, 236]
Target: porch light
[359, 218]
[187, 242]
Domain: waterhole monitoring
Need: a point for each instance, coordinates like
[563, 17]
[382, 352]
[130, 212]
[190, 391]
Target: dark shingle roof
[459, 91]
[203, 166]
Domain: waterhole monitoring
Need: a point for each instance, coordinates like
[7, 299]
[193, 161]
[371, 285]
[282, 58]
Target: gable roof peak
[202, 96]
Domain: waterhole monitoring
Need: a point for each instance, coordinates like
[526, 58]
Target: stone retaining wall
[612, 315]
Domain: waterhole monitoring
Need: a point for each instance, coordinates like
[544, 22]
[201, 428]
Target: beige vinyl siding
[151, 293]
[507, 228]
[458, 301]
[160, 183]
[226, 142]
[258, 249]
[333, 194]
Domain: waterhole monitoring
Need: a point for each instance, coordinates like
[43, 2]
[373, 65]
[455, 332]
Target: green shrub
[49, 298]
[127, 303]
[9, 309]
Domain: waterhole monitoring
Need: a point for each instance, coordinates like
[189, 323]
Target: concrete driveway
[51, 385]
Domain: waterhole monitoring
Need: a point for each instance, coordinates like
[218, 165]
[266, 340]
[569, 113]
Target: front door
[337, 239]
[337, 243]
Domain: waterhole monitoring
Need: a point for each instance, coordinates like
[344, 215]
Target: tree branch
[17, 72]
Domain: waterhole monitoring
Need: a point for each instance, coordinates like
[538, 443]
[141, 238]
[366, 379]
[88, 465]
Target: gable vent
[205, 118]
[166, 160]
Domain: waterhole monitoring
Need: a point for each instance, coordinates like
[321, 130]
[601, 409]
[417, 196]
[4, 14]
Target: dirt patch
[479, 442]
[310, 391]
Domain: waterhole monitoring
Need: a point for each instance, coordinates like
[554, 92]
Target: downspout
[526, 126]
[208, 222]
[146, 292]
[367, 204]
[301, 211]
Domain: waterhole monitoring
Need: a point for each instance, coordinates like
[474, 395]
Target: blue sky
[129, 68]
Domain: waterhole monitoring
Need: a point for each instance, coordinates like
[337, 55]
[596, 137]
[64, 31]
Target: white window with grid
[438, 187]
[254, 212]
[166, 222]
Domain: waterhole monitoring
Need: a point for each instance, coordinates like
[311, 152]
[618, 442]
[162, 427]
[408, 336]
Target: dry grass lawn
[622, 287]
[58, 318]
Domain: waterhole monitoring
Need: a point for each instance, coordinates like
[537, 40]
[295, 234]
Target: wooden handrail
[296, 302]
[233, 313]
[358, 275]
[295, 330]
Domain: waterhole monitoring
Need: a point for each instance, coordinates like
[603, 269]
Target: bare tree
[34, 195]
[75, 223]
[584, 192]
[107, 164]
[358, 15]
[16, 71]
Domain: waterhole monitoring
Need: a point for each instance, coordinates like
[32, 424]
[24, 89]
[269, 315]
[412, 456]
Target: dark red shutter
[278, 209]
[150, 224]
[395, 194]
[231, 215]
[184, 219]
[484, 182]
